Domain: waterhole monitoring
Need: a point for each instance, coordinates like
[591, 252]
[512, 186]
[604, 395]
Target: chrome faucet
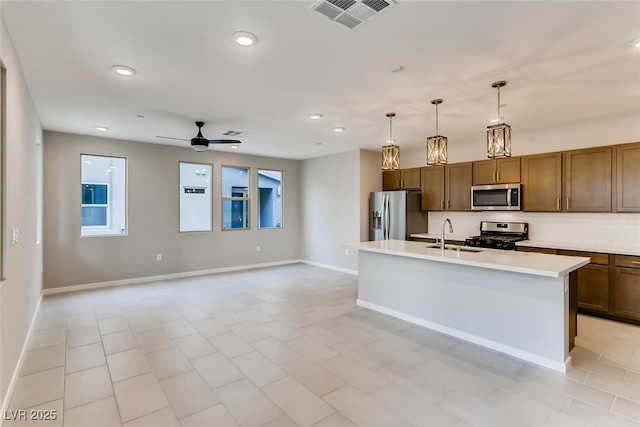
[442, 235]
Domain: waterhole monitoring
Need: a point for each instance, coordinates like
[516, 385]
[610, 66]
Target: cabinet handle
[558, 203]
[402, 183]
[635, 262]
[498, 176]
[493, 176]
[567, 203]
[398, 184]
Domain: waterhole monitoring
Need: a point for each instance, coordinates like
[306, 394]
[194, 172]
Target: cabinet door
[628, 178]
[458, 186]
[588, 180]
[410, 179]
[542, 182]
[391, 180]
[537, 250]
[508, 170]
[484, 172]
[626, 292]
[433, 188]
[593, 288]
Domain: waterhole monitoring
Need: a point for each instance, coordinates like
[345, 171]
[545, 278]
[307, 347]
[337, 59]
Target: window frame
[281, 195]
[180, 192]
[97, 205]
[125, 200]
[232, 199]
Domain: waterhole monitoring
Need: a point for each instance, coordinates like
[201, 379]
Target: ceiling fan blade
[171, 137]
[224, 141]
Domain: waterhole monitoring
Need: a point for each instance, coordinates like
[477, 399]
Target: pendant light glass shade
[499, 136]
[390, 152]
[437, 145]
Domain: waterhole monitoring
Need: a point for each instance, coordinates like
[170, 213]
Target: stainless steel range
[499, 235]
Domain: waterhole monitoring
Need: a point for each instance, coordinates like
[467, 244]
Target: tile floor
[287, 346]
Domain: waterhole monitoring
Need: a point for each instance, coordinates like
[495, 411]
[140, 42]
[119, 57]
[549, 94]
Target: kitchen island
[517, 303]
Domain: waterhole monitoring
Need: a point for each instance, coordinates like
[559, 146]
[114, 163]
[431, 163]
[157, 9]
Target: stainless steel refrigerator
[395, 215]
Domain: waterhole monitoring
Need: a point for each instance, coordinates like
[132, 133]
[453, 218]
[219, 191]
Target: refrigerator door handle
[384, 216]
[387, 220]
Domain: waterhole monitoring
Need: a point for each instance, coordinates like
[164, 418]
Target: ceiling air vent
[234, 133]
[352, 13]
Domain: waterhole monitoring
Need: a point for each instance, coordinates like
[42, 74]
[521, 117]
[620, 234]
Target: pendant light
[499, 136]
[437, 145]
[390, 152]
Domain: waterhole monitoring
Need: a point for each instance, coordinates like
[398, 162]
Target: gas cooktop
[499, 235]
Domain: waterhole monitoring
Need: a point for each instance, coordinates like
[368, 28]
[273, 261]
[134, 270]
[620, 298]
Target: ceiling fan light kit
[437, 145]
[499, 136]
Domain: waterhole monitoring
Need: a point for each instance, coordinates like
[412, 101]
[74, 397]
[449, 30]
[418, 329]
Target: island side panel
[518, 314]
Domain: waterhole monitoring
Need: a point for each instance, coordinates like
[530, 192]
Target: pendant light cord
[390, 131]
[437, 120]
[498, 104]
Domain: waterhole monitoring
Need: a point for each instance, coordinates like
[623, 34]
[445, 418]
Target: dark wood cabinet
[594, 287]
[497, 171]
[587, 181]
[458, 186]
[391, 180]
[410, 179]
[542, 182]
[626, 286]
[628, 177]
[433, 188]
[538, 250]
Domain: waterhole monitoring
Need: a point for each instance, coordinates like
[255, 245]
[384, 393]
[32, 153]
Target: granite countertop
[519, 262]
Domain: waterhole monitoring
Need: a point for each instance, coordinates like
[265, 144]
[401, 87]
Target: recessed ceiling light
[102, 128]
[338, 129]
[123, 70]
[244, 39]
[315, 116]
[636, 44]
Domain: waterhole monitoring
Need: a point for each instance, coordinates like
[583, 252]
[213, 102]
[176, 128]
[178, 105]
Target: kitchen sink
[454, 248]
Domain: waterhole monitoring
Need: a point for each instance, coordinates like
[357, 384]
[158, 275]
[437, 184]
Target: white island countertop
[519, 262]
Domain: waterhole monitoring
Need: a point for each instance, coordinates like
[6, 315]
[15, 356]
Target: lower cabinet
[609, 286]
[593, 282]
[626, 286]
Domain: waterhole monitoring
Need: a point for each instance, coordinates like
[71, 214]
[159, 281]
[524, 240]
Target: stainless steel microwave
[496, 197]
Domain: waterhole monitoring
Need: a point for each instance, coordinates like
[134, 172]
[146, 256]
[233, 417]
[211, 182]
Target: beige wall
[20, 291]
[153, 178]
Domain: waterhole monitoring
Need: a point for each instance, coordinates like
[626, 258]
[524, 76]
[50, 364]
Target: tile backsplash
[580, 228]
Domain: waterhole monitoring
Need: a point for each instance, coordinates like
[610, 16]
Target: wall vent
[352, 13]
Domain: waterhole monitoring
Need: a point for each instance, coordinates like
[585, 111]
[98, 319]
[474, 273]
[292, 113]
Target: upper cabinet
[458, 186]
[403, 179]
[628, 177]
[542, 182]
[391, 180]
[587, 183]
[410, 179]
[497, 171]
[433, 196]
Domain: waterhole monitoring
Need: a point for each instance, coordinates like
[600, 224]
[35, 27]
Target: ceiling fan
[199, 142]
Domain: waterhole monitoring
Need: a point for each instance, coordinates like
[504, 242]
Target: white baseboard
[147, 279]
[330, 267]
[16, 372]
[511, 351]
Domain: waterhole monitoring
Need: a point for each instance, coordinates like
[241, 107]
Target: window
[270, 198]
[235, 198]
[103, 195]
[195, 197]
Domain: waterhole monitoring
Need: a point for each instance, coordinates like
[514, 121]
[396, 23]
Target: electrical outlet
[258, 248]
[158, 257]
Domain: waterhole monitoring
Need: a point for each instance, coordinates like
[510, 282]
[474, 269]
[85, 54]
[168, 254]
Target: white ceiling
[565, 63]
